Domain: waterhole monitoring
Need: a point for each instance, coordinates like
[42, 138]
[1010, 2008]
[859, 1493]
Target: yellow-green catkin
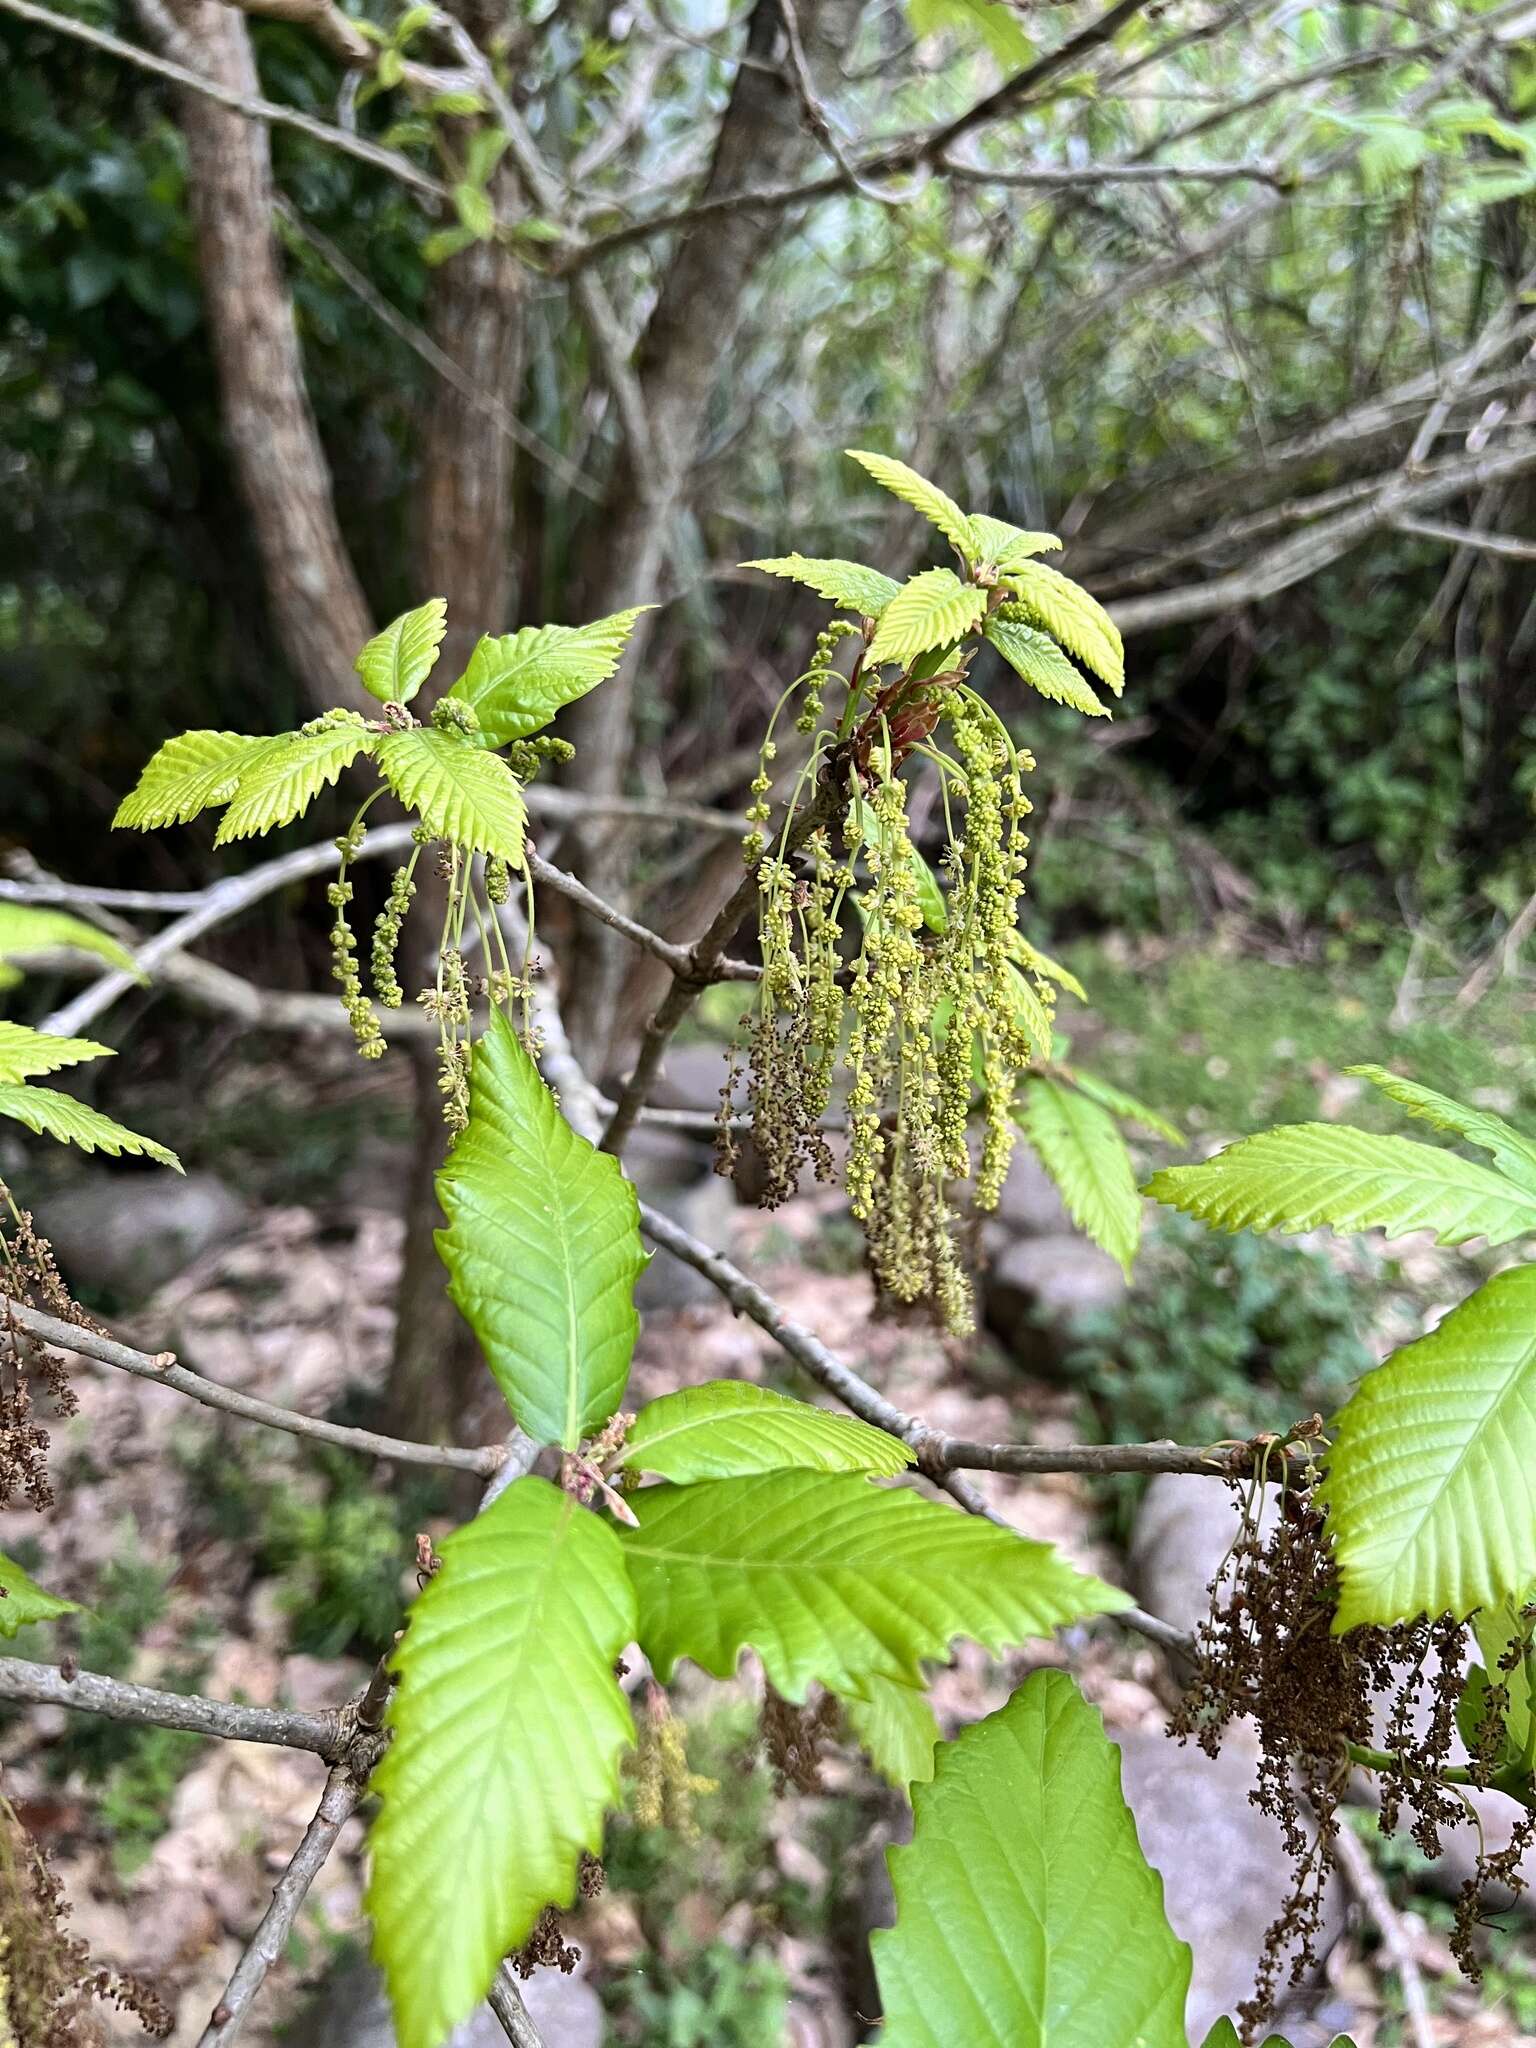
[386, 938]
[344, 961]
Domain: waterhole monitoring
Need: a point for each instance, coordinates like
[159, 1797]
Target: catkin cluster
[873, 970]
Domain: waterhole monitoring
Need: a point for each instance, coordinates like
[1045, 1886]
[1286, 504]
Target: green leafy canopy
[542, 1247]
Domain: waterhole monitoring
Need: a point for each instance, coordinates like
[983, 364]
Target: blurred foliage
[1225, 1334]
[339, 1543]
[1226, 1043]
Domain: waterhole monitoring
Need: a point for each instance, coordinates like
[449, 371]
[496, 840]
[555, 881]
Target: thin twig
[486, 1460]
[1363, 1879]
[678, 958]
[506, 2001]
[267, 1945]
[89, 1692]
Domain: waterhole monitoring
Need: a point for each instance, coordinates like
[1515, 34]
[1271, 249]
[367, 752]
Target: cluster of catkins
[869, 966]
[1268, 1653]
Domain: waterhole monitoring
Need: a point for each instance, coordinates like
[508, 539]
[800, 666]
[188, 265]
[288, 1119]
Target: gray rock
[1225, 1872]
[707, 1209]
[655, 1157]
[351, 2010]
[1183, 1531]
[1030, 1204]
[1039, 1290]
[692, 1076]
[131, 1232]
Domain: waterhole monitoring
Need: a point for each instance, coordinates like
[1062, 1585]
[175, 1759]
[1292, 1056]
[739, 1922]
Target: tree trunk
[317, 605]
[687, 339]
[462, 554]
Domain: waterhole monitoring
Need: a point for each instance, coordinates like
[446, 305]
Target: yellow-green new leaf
[542, 1247]
[1036, 657]
[936, 507]
[279, 782]
[728, 1428]
[188, 774]
[1081, 1148]
[458, 790]
[848, 585]
[1300, 1176]
[1225, 2035]
[931, 610]
[28, 931]
[1003, 545]
[1030, 956]
[508, 1728]
[1120, 1104]
[396, 662]
[25, 1053]
[23, 1600]
[1431, 1484]
[1070, 615]
[516, 683]
[1026, 1913]
[1030, 1011]
[55, 1115]
[895, 1727]
[1513, 1153]
[832, 1580]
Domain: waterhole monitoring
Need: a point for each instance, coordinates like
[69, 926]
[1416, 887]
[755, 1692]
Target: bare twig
[506, 2001]
[1497, 962]
[679, 958]
[1363, 1879]
[1468, 537]
[486, 1460]
[45, 1685]
[338, 1803]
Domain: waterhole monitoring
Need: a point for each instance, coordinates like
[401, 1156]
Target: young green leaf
[1513, 1153]
[1026, 1913]
[396, 662]
[23, 1600]
[1030, 1011]
[458, 790]
[27, 930]
[833, 1580]
[281, 781]
[542, 1247]
[992, 21]
[1225, 2035]
[728, 1428]
[25, 1053]
[1498, 1628]
[1118, 1103]
[54, 1115]
[848, 585]
[188, 774]
[895, 1727]
[516, 684]
[476, 214]
[914, 490]
[1299, 1176]
[1070, 615]
[1003, 545]
[1036, 657]
[931, 610]
[1431, 1482]
[508, 1726]
[1030, 956]
[1081, 1148]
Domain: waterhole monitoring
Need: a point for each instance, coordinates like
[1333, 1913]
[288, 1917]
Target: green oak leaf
[728, 1428]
